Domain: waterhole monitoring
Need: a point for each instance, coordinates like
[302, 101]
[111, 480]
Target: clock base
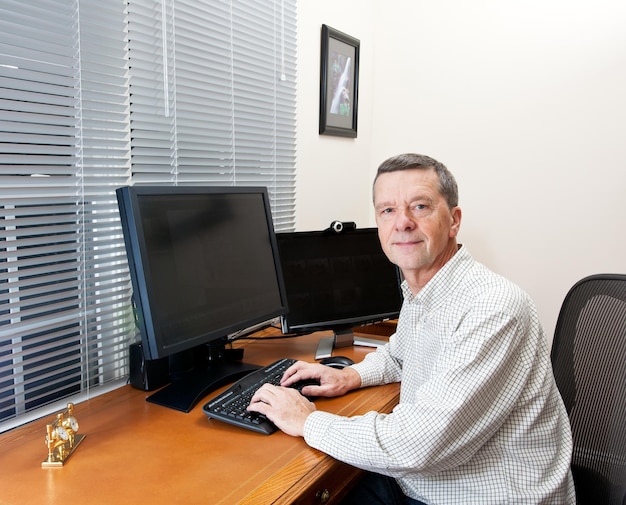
[60, 456]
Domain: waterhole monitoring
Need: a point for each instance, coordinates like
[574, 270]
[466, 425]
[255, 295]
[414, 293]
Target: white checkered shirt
[480, 420]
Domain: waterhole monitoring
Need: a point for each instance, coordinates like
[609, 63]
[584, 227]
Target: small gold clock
[62, 438]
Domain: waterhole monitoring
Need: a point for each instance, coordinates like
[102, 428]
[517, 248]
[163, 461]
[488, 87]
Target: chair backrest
[589, 363]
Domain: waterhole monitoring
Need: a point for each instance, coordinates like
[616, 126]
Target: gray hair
[447, 184]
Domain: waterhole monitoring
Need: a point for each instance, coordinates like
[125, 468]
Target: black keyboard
[230, 406]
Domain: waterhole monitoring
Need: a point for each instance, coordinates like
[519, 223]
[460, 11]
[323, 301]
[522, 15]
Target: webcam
[339, 226]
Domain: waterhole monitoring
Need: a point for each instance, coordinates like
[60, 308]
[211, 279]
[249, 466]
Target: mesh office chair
[589, 363]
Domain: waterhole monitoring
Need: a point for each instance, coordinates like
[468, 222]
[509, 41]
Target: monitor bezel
[344, 323]
[142, 283]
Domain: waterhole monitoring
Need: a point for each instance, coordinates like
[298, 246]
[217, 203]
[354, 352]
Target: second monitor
[336, 281]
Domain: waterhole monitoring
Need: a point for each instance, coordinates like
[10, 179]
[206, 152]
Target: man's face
[417, 229]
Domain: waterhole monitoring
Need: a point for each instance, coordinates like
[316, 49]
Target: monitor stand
[344, 337]
[190, 383]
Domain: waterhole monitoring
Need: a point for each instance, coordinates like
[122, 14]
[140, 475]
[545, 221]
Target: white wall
[333, 173]
[525, 102]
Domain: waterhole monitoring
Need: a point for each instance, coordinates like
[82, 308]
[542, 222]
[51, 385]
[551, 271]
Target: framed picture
[339, 83]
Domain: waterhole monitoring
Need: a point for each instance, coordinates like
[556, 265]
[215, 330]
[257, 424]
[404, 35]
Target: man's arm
[287, 408]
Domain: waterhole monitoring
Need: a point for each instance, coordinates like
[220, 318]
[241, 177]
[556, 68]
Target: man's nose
[404, 220]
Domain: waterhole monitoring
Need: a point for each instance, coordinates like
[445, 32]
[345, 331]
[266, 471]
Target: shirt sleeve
[473, 388]
[381, 366]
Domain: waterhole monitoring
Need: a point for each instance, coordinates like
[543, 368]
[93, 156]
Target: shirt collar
[444, 282]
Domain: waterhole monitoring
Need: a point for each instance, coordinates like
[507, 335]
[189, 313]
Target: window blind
[212, 87]
[64, 296]
[96, 95]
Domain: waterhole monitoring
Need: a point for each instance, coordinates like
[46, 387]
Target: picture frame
[339, 83]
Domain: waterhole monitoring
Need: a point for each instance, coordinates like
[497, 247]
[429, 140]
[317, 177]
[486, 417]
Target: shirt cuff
[370, 375]
[315, 427]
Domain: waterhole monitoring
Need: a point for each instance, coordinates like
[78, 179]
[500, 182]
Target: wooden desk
[138, 452]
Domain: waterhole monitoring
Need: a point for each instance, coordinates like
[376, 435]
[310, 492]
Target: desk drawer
[331, 487]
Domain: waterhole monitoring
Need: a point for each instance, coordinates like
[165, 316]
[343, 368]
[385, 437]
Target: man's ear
[456, 215]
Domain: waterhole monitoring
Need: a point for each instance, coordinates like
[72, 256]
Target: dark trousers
[375, 489]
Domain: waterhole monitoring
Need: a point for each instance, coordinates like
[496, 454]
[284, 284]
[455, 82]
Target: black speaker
[147, 374]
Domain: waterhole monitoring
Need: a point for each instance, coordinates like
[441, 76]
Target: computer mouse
[337, 361]
[306, 382]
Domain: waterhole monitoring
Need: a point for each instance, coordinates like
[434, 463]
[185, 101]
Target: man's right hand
[333, 381]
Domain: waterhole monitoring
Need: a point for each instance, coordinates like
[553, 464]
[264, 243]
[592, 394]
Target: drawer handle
[323, 496]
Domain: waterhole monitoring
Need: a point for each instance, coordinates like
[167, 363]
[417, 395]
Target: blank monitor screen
[337, 280]
[203, 262]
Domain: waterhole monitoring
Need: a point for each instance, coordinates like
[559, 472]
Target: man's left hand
[285, 407]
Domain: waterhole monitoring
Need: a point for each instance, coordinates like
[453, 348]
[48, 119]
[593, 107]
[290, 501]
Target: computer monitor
[337, 280]
[204, 265]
